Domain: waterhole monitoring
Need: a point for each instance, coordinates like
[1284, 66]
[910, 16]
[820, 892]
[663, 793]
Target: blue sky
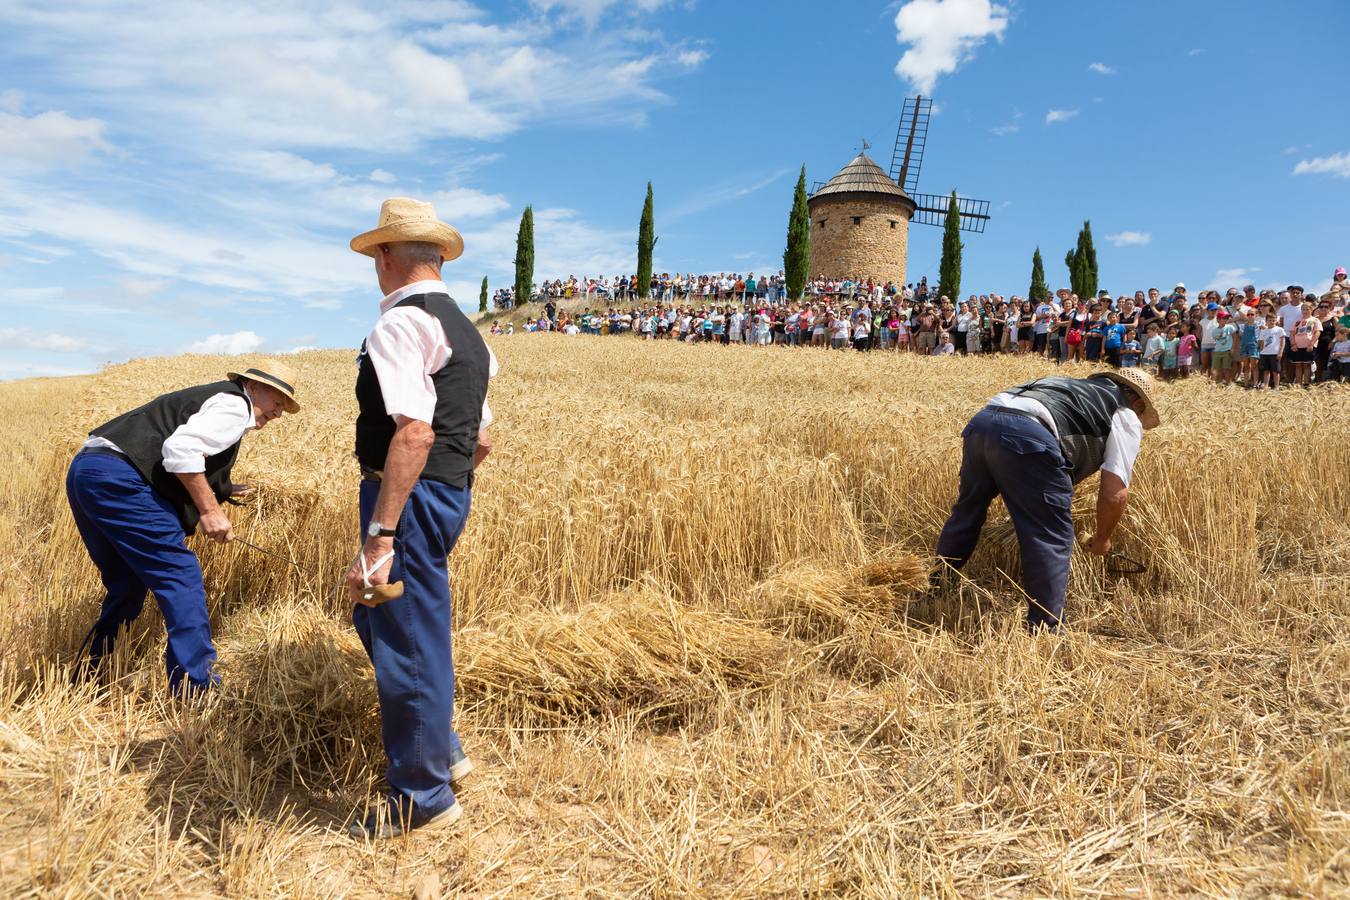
[180, 176]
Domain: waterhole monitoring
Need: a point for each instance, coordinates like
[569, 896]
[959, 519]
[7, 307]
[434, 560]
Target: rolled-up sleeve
[1122, 444]
[493, 367]
[219, 423]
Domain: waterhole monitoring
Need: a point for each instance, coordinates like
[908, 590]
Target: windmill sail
[910, 138]
[931, 209]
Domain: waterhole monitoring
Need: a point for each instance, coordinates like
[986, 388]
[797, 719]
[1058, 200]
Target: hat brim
[442, 235]
[281, 387]
[1149, 417]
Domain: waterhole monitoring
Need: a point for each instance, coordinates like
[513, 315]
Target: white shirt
[218, 424]
[1290, 315]
[1122, 441]
[1272, 340]
[407, 346]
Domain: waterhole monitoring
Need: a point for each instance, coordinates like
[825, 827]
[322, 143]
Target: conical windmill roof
[862, 175]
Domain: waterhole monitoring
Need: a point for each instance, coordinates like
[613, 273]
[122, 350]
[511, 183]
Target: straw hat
[276, 375]
[1141, 383]
[406, 219]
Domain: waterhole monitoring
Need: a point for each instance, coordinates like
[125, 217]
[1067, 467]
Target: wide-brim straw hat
[1141, 383]
[406, 219]
[276, 375]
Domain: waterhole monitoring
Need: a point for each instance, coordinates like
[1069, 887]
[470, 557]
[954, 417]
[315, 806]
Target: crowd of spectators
[1256, 338]
[722, 288]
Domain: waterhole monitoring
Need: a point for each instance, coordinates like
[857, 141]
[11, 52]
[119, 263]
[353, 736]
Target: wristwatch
[375, 529]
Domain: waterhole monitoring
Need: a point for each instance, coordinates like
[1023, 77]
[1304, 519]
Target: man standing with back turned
[1032, 444]
[422, 428]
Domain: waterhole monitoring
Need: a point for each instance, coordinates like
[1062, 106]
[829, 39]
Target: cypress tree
[949, 270]
[1038, 286]
[796, 257]
[1082, 263]
[525, 257]
[1089, 263]
[482, 296]
[646, 242]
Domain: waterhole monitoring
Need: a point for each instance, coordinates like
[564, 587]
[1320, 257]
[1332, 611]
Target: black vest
[141, 433]
[1082, 409]
[461, 387]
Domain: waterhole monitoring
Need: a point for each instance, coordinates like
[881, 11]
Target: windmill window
[892, 223]
[822, 222]
[857, 220]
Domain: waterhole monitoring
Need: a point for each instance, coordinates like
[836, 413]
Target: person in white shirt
[145, 480]
[1032, 444]
[422, 431]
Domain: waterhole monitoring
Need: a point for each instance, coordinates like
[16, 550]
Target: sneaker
[384, 823]
[460, 766]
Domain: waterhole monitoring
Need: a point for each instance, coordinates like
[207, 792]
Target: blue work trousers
[1017, 457]
[408, 641]
[134, 538]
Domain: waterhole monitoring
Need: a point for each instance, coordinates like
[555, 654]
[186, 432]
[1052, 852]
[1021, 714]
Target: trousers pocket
[1023, 445]
[1058, 499]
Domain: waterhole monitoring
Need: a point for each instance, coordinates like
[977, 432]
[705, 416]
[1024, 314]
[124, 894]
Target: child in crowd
[901, 326]
[1340, 355]
[1190, 348]
[1130, 350]
[1271, 339]
[1153, 348]
[1171, 355]
[945, 345]
[1221, 357]
[1249, 348]
[1114, 339]
[862, 333]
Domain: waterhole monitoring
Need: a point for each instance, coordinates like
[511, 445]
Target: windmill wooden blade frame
[931, 209]
[910, 138]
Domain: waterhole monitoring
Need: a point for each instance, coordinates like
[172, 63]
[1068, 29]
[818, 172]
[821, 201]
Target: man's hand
[1099, 546]
[371, 551]
[484, 447]
[216, 526]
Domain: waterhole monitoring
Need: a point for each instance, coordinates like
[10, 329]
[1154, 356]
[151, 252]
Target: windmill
[907, 160]
[860, 217]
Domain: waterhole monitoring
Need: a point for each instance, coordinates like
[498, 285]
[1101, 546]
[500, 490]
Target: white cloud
[227, 344]
[590, 11]
[1338, 165]
[49, 139]
[11, 101]
[1102, 68]
[336, 79]
[1130, 238]
[942, 35]
[1226, 278]
[1195, 52]
[21, 369]
[1002, 130]
[27, 339]
[280, 166]
[457, 204]
[380, 176]
[724, 193]
[1060, 115]
[691, 58]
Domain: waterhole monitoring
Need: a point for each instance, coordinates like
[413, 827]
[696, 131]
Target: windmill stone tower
[860, 225]
[860, 218]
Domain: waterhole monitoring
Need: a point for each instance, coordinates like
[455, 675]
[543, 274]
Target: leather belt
[369, 474]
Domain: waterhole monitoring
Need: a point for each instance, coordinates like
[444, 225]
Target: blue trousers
[134, 538]
[1017, 457]
[408, 641]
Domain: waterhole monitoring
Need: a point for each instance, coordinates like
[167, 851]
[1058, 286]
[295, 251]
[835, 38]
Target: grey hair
[416, 252]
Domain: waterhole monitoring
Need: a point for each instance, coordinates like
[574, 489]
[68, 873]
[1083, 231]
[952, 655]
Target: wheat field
[694, 655]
